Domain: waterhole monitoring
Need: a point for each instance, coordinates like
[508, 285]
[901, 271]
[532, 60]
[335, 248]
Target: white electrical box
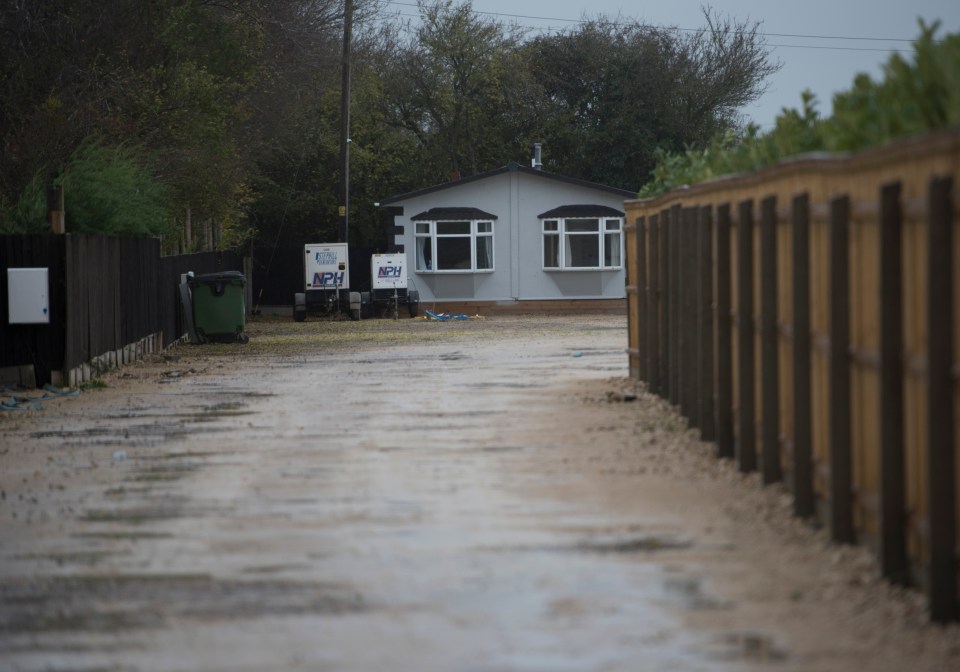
[28, 295]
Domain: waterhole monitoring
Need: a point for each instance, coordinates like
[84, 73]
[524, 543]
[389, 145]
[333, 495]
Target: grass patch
[95, 384]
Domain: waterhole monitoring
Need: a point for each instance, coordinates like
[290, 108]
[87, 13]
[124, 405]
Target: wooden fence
[109, 298]
[804, 319]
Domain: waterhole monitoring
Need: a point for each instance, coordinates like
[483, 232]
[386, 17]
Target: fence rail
[804, 318]
[109, 297]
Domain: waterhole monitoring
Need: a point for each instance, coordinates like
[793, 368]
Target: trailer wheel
[413, 304]
[366, 306]
[299, 307]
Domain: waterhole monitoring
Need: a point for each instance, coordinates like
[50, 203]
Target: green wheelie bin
[219, 313]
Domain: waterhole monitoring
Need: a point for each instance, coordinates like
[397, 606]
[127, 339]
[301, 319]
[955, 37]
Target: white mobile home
[515, 234]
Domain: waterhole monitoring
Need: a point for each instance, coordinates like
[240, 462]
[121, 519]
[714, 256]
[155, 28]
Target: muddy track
[485, 495]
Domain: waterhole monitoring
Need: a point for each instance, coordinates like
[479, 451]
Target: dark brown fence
[105, 295]
[804, 318]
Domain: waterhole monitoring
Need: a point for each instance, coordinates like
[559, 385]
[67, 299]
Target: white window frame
[428, 232]
[556, 227]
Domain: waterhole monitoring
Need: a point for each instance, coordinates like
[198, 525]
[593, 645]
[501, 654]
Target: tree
[298, 110]
[448, 84]
[613, 92]
[169, 80]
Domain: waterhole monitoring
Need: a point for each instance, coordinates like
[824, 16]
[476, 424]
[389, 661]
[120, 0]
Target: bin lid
[219, 278]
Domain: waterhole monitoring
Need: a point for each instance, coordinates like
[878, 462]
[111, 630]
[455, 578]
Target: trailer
[326, 274]
[389, 291]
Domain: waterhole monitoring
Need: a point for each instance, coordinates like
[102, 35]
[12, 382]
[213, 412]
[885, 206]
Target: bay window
[586, 238]
[454, 240]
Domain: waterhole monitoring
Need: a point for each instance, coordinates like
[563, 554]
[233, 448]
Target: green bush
[917, 96]
[107, 190]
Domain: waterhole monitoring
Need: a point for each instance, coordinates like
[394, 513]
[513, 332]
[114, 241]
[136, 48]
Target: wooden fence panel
[636, 309]
[39, 345]
[864, 358]
[77, 278]
[839, 312]
[784, 335]
[654, 326]
[105, 294]
[819, 231]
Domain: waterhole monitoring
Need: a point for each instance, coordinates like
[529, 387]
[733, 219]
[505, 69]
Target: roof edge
[512, 167]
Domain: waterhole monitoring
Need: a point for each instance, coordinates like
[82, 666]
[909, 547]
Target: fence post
[942, 588]
[689, 364]
[666, 304]
[56, 216]
[675, 304]
[640, 282]
[747, 443]
[769, 359]
[654, 313]
[893, 532]
[705, 355]
[803, 500]
[725, 446]
[841, 466]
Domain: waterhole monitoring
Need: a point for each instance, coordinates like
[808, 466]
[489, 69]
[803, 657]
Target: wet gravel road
[409, 496]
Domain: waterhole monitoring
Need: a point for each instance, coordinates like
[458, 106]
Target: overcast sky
[822, 44]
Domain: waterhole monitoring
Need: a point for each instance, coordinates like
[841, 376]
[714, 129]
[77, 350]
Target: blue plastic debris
[21, 403]
[57, 392]
[443, 317]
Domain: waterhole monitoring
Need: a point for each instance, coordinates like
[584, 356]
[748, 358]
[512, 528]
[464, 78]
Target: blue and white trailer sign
[388, 271]
[326, 266]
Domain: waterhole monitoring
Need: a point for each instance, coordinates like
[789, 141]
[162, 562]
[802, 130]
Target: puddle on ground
[751, 647]
[185, 455]
[504, 385]
[87, 558]
[134, 435]
[274, 569]
[105, 603]
[689, 591]
[123, 536]
[173, 471]
[604, 546]
[140, 515]
[643, 544]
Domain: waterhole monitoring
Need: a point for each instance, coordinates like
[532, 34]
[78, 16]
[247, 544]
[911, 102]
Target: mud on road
[480, 496]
